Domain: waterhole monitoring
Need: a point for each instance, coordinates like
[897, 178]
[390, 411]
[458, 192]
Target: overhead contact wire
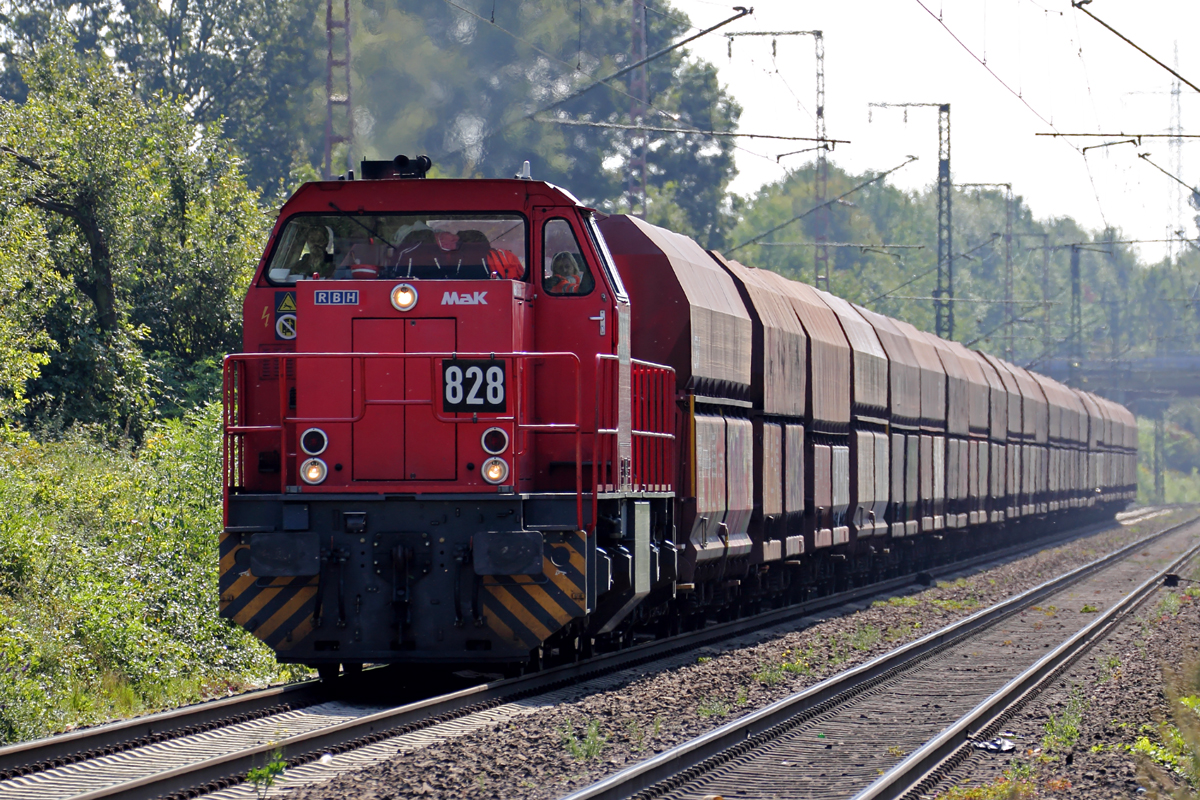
[596, 82]
[800, 216]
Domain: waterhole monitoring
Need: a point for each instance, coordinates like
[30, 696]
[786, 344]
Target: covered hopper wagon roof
[979, 387]
[828, 352]
[933, 377]
[779, 373]
[1012, 391]
[904, 373]
[998, 398]
[957, 387]
[689, 314]
[1035, 412]
[869, 361]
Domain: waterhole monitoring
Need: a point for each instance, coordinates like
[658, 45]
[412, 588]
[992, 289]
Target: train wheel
[352, 670]
[327, 673]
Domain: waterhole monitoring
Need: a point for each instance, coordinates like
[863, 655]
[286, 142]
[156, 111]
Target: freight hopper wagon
[476, 422]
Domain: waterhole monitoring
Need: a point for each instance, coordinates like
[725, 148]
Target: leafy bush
[108, 575]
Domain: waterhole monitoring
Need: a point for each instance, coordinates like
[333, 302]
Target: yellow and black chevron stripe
[279, 612]
[527, 609]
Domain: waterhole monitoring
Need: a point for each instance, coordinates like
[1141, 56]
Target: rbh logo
[464, 299]
[347, 297]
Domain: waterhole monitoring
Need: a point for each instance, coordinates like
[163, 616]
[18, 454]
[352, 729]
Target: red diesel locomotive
[476, 422]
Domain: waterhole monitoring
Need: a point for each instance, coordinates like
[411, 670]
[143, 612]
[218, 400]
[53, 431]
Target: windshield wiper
[350, 215]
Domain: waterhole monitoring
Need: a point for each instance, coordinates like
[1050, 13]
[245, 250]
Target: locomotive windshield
[423, 247]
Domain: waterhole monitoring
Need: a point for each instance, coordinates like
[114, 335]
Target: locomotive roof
[428, 194]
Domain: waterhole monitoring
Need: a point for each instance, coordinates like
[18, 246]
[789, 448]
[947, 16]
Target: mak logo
[464, 298]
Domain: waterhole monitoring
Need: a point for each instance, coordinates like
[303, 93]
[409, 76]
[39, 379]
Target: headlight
[314, 441]
[495, 441]
[495, 470]
[313, 471]
[404, 296]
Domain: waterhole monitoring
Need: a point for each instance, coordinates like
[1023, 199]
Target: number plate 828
[474, 385]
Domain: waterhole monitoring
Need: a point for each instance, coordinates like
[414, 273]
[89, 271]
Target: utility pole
[944, 306]
[1114, 310]
[943, 303]
[337, 71]
[821, 254]
[638, 88]
[1047, 344]
[1076, 357]
[1176, 155]
[1009, 309]
[1045, 293]
[1160, 489]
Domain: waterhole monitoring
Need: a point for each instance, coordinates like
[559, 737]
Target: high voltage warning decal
[285, 315]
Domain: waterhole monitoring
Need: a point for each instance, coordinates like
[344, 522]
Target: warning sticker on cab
[285, 316]
[285, 326]
[285, 302]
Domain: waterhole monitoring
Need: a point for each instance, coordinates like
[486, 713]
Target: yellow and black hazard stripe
[528, 609]
[276, 610]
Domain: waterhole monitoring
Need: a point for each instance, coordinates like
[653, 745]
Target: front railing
[650, 463]
[236, 427]
[648, 466]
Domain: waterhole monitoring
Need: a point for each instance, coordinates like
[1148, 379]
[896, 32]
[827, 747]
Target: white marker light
[495, 470]
[313, 471]
[404, 296]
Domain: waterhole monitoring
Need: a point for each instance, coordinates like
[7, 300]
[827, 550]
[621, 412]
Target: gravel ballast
[551, 751]
[1093, 734]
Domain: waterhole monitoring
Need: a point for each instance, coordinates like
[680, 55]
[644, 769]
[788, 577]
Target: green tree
[247, 65]
[432, 78]
[145, 221]
[26, 284]
[427, 77]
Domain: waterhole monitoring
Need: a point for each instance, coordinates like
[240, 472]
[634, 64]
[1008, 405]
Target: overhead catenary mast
[1176, 154]
[339, 107]
[821, 179]
[1009, 309]
[944, 294]
[636, 188]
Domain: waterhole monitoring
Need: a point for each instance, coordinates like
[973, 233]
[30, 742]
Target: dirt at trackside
[1092, 735]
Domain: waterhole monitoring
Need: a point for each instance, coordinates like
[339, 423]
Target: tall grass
[108, 578]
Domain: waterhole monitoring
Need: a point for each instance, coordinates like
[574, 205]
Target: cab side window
[564, 269]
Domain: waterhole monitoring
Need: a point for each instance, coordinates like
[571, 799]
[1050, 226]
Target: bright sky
[1065, 66]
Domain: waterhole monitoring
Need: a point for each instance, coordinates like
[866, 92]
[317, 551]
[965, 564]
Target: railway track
[213, 745]
[922, 705]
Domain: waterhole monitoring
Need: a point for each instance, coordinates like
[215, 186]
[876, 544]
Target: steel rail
[925, 767]
[65, 748]
[696, 756]
[39, 755]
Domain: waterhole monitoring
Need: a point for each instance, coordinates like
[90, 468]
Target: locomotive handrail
[434, 359]
[650, 463]
[359, 404]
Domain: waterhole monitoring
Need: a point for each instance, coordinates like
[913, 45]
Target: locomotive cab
[413, 432]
